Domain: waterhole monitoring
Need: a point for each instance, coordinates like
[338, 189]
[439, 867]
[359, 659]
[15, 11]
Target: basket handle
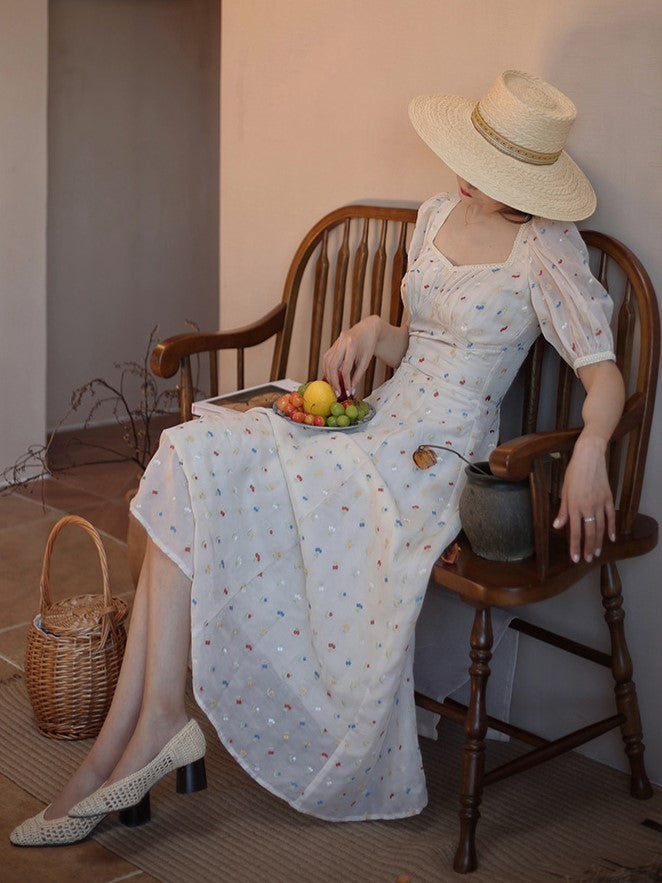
[44, 583]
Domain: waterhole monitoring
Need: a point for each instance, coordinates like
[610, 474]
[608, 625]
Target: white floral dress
[309, 552]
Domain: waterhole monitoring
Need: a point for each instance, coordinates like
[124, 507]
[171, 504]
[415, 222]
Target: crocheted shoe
[39, 831]
[184, 752]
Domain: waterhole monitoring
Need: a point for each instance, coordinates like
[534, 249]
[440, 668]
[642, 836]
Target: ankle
[153, 732]
[163, 718]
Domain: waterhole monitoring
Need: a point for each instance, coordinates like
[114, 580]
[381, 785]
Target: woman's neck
[475, 212]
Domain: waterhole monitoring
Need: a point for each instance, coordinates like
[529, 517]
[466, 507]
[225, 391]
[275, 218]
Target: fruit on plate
[315, 404]
[318, 398]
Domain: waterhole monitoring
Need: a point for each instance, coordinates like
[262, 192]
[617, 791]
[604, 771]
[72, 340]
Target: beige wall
[23, 82]
[313, 115]
[133, 182]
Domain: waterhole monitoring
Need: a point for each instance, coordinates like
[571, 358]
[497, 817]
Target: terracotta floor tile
[7, 670]
[18, 509]
[109, 516]
[59, 494]
[20, 568]
[12, 645]
[110, 481]
[87, 448]
[84, 446]
[85, 861]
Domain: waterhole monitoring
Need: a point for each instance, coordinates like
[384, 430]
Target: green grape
[343, 420]
[337, 409]
[303, 388]
[331, 420]
[364, 408]
[352, 412]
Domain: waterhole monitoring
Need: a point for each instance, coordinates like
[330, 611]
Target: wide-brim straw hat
[510, 144]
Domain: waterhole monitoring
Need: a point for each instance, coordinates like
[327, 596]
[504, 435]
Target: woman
[295, 562]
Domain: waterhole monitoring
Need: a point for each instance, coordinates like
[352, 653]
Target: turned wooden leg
[626, 694]
[475, 727]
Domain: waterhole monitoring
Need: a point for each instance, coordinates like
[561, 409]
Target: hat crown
[510, 144]
[528, 112]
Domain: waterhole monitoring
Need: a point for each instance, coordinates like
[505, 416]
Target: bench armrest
[523, 458]
[514, 460]
[168, 355]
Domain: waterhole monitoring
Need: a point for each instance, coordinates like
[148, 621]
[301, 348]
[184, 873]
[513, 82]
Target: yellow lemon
[318, 398]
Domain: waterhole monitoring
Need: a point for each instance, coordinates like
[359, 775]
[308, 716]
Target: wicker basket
[74, 652]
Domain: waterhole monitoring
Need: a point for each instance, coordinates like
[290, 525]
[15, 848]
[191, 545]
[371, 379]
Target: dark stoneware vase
[496, 516]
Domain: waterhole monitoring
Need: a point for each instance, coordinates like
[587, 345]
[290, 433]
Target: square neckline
[435, 228]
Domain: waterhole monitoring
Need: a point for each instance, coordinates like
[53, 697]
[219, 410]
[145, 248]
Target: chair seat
[507, 583]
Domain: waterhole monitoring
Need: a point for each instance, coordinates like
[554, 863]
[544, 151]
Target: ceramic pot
[496, 516]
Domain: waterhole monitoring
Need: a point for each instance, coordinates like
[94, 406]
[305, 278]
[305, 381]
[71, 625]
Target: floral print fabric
[310, 553]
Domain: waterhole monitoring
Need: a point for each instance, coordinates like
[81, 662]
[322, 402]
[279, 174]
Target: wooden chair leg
[475, 727]
[626, 694]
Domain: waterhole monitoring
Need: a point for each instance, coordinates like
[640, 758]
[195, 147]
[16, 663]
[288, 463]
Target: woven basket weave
[74, 651]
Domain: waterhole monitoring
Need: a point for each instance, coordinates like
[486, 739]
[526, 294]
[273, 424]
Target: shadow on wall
[612, 69]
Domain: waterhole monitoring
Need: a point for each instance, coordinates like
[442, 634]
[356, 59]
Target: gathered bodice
[488, 315]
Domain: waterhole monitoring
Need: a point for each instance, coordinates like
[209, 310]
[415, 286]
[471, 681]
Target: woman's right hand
[347, 360]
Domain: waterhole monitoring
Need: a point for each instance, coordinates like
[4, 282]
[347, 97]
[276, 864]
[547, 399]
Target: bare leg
[162, 711]
[151, 613]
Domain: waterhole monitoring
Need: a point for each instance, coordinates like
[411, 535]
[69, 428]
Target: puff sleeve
[573, 309]
[426, 212]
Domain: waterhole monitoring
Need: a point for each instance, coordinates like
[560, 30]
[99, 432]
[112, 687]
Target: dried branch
[137, 422]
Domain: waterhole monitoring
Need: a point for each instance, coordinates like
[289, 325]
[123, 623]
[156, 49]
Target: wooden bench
[350, 264]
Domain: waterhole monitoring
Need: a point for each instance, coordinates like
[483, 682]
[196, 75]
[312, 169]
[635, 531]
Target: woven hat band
[505, 145]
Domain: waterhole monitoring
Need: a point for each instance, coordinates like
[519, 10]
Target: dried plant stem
[137, 422]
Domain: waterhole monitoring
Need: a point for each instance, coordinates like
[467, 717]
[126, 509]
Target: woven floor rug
[571, 821]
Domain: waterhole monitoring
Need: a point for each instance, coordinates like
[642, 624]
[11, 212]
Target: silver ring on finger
[588, 519]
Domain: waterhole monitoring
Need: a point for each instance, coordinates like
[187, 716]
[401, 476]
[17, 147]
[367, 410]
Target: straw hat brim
[559, 191]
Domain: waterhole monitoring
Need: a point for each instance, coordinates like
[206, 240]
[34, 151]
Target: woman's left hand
[587, 505]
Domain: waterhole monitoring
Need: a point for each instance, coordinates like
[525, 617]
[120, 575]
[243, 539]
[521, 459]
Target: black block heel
[192, 777]
[137, 815]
